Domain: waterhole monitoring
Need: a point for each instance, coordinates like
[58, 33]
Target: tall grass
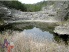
[24, 43]
[27, 44]
[2, 42]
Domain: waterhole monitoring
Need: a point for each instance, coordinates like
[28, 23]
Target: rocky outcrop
[41, 15]
[62, 30]
[54, 11]
[62, 13]
[61, 9]
[5, 14]
[4, 11]
[48, 15]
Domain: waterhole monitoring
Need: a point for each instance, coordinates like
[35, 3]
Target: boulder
[61, 30]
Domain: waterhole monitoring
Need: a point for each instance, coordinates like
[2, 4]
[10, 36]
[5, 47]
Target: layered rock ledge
[62, 30]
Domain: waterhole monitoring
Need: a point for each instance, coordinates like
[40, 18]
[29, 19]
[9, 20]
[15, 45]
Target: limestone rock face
[58, 9]
[61, 30]
[62, 9]
[5, 13]
[53, 11]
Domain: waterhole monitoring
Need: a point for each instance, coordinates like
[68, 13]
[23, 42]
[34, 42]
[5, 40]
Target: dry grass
[2, 41]
[27, 44]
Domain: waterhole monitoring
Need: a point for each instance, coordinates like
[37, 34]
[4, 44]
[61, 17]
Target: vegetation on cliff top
[24, 7]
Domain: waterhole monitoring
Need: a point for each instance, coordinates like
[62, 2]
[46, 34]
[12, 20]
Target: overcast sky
[29, 1]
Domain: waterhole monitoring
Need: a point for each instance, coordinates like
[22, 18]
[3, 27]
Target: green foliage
[36, 7]
[14, 4]
[24, 7]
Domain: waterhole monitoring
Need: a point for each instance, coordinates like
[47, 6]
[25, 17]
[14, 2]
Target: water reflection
[60, 38]
[40, 31]
[39, 35]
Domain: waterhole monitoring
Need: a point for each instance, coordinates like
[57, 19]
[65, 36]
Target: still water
[34, 37]
[38, 34]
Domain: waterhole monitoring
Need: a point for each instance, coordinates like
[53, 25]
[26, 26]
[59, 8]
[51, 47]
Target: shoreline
[31, 21]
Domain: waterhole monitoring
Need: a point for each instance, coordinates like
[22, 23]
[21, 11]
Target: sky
[29, 1]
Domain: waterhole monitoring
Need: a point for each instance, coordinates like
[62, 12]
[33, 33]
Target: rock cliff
[54, 11]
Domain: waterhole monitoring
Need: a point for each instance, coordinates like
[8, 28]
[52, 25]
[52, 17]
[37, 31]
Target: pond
[34, 37]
